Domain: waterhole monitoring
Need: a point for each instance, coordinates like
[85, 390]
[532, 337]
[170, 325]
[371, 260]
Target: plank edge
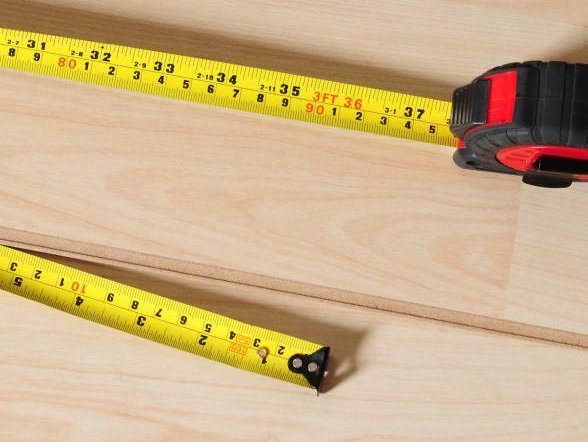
[109, 255]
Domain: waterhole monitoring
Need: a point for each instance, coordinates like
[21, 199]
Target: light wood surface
[392, 377]
[318, 211]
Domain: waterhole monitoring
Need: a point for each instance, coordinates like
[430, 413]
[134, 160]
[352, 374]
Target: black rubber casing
[551, 108]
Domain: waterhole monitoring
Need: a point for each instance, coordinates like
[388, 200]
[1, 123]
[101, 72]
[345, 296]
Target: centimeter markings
[228, 85]
[151, 316]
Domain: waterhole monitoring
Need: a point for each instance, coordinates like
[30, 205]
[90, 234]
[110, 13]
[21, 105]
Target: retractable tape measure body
[525, 118]
[163, 320]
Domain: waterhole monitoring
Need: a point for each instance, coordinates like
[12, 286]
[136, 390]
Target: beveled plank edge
[109, 255]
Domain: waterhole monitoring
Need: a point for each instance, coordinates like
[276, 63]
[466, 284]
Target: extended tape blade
[229, 85]
[163, 320]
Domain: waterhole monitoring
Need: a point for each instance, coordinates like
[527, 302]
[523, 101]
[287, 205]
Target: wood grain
[392, 377]
[323, 212]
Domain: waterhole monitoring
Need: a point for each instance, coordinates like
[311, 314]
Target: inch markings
[154, 317]
[228, 85]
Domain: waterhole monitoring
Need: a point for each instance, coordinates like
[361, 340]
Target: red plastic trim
[522, 158]
[502, 97]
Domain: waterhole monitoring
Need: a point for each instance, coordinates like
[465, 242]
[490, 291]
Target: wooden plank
[392, 377]
[300, 208]
[548, 281]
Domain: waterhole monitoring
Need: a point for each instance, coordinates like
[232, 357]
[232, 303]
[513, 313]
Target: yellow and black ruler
[163, 320]
[229, 85]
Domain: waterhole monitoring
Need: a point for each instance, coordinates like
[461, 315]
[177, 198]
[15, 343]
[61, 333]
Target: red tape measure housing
[529, 118]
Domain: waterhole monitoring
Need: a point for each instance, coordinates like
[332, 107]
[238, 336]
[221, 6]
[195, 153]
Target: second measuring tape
[163, 320]
[228, 85]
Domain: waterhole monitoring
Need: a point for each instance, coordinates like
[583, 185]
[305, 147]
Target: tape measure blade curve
[161, 319]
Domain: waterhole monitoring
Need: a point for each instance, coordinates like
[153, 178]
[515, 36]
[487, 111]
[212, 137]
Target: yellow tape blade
[163, 320]
[229, 85]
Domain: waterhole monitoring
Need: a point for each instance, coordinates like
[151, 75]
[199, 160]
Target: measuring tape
[228, 85]
[163, 320]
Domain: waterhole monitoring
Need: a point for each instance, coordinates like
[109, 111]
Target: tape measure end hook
[313, 367]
